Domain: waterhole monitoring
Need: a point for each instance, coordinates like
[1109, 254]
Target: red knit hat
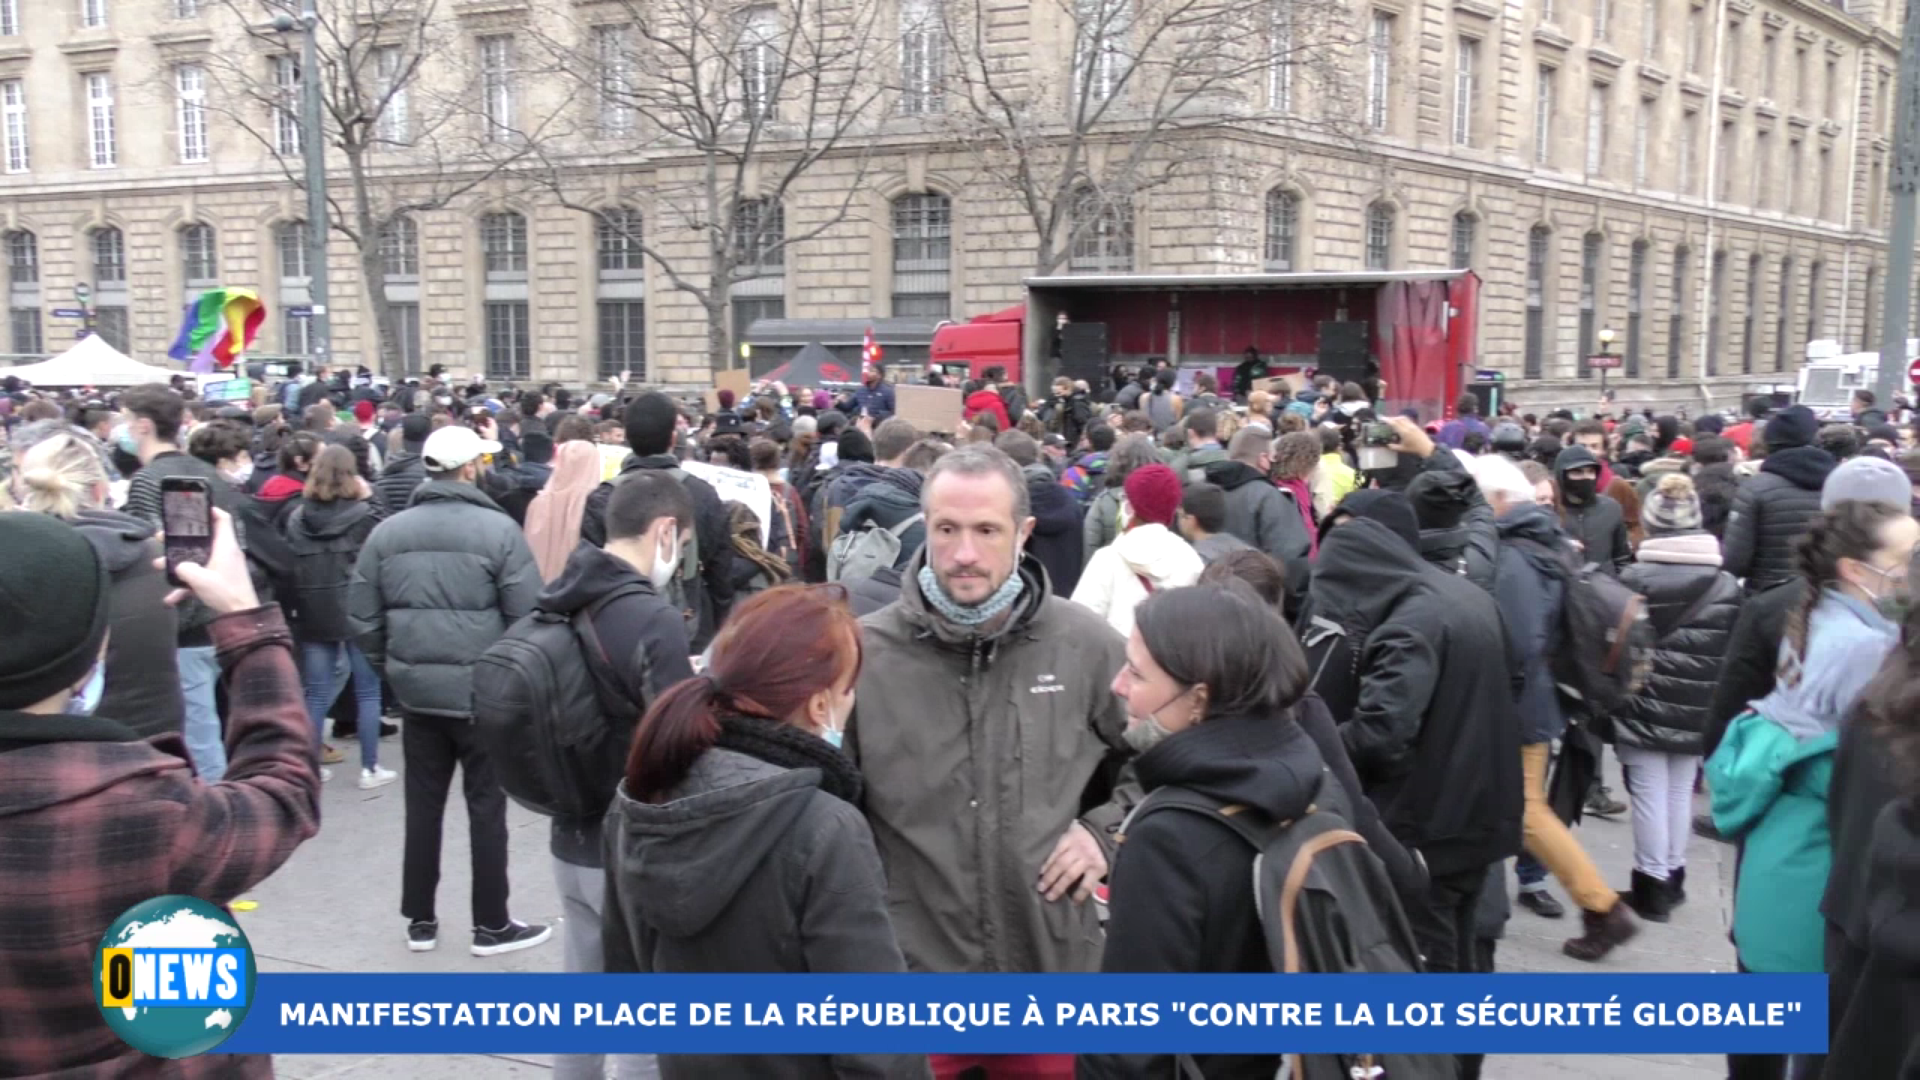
[1683, 446]
[1154, 492]
[363, 411]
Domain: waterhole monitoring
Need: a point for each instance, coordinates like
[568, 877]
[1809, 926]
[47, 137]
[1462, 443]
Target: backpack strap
[606, 680]
[1295, 883]
[900, 530]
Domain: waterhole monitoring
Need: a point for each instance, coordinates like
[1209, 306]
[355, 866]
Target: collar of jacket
[649, 461]
[19, 729]
[452, 491]
[931, 625]
[1804, 467]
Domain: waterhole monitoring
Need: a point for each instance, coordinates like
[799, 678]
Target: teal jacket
[1770, 794]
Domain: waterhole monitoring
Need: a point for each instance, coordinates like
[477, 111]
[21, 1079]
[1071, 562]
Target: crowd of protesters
[905, 723]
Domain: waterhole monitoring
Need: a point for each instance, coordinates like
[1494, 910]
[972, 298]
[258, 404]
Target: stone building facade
[1706, 178]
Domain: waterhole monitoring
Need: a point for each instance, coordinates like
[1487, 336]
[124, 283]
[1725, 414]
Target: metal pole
[313, 142]
[1903, 183]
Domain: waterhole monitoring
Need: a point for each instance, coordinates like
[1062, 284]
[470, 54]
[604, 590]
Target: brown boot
[1603, 932]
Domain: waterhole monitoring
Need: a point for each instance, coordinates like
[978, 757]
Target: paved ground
[335, 907]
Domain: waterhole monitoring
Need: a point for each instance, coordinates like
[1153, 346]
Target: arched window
[199, 256]
[1464, 227]
[296, 278]
[23, 293]
[923, 256]
[400, 265]
[1539, 250]
[1592, 250]
[1677, 318]
[503, 244]
[759, 246]
[110, 297]
[1750, 318]
[1636, 305]
[1379, 236]
[620, 294]
[1283, 230]
[1102, 233]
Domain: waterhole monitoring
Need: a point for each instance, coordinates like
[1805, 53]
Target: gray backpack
[859, 555]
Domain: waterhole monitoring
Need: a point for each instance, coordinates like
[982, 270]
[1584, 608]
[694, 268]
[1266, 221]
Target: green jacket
[1770, 794]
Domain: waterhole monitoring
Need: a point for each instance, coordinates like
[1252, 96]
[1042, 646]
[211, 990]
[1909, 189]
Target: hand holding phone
[221, 581]
[186, 518]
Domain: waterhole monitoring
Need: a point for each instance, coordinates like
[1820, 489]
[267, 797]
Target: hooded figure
[1457, 531]
[1592, 518]
[1772, 510]
[1148, 556]
[553, 517]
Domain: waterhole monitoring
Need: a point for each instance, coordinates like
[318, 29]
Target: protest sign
[930, 409]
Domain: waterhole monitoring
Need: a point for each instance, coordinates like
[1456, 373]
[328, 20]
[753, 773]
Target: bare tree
[410, 117]
[730, 109]
[1075, 133]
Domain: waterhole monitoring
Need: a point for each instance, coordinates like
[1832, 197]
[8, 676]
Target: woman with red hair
[736, 842]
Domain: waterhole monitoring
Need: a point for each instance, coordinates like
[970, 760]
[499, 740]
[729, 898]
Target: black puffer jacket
[1771, 511]
[325, 539]
[1599, 527]
[1692, 604]
[404, 473]
[1056, 529]
[143, 675]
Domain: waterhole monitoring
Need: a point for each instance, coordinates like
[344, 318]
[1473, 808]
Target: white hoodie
[1111, 583]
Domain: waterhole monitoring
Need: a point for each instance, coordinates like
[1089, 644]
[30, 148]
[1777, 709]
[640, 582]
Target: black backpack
[1327, 907]
[552, 713]
[1605, 652]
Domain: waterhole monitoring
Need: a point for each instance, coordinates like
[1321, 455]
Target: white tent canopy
[91, 362]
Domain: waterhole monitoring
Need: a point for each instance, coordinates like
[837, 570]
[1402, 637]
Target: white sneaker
[326, 774]
[376, 777]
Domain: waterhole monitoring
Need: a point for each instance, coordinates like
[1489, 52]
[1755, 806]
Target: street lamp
[313, 147]
[1605, 360]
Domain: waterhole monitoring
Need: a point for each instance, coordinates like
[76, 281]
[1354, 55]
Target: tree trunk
[373, 268]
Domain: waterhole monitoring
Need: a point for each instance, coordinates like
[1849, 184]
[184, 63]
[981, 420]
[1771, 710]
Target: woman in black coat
[1693, 605]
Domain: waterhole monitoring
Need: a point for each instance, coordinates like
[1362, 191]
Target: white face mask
[665, 563]
[240, 473]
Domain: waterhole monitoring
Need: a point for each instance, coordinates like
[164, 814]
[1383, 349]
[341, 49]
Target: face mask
[87, 698]
[1893, 603]
[240, 473]
[1150, 732]
[124, 439]
[1580, 491]
[665, 563]
[833, 737]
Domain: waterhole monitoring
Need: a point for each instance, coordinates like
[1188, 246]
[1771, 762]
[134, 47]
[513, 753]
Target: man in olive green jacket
[989, 740]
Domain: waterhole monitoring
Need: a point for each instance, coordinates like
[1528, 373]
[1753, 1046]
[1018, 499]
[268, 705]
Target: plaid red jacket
[93, 821]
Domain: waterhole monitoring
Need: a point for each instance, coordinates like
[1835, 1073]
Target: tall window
[1543, 116]
[1780, 315]
[110, 295]
[1102, 62]
[1379, 236]
[1762, 168]
[923, 59]
[1790, 196]
[1689, 126]
[9, 17]
[613, 58]
[400, 268]
[23, 293]
[1732, 45]
[1750, 319]
[1870, 316]
[400, 248]
[1283, 230]
[621, 298]
[922, 254]
[1649, 29]
[1280, 42]
[186, 9]
[503, 240]
[1769, 60]
[1636, 305]
[13, 104]
[1102, 233]
[1824, 174]
[296, 297]
[1642, 129]
[1590, 253]
[199, 256]
[1597, 129]
[1696, 36]
[759, 247]
[1379, 70]
[109, 257]
[93, 14]
[760, 62]
[1677, 316]
[1728, 134]
[503, 244]
[509, 340]
[1602, 19]
[1816, 314]
[1466, 75]
[1716, 311]
[1463, 230]
[391, 75]
[496, 85]
[286, 107]
[190, 112]
[103, 147]
[1535, 345]
[1800, 77]
[1831, 99]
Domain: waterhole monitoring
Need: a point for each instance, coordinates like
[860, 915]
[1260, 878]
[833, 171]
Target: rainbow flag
[218, 327]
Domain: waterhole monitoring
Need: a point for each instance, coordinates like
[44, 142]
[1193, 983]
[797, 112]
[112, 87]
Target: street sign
[69, 313]
[301, 312]
[1604, 361]
[80, 333]
[1913, 372]
[83, 292]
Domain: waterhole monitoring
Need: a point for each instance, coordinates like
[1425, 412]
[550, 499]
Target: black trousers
[434, 745]
[1444, 930]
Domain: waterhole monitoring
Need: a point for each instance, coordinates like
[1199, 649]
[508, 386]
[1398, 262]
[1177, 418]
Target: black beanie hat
[537, 447]
[856, 446]
[1389, 508]
[1793, 426]
[53, 608]
[1439, 498]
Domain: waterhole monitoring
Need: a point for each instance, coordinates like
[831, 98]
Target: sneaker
[330, 754]
[423, 936]
[510, 938]
[326, 774]
[1601, 934]
[1704, 828]
[1601, 803]
[1541, 903]
[388, 731]
[376, 777]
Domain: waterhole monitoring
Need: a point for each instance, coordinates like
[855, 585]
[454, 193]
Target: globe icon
[176, 922]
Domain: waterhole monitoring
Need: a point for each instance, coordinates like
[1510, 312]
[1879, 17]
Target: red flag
[870, 351]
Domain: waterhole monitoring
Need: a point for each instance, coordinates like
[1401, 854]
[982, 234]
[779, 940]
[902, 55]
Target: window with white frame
[620, 297]
[1677, 315]
[1591, 250]
[1687, 152]
[922, 256]
[93, 14]
[1696, 36]
[1283, 230]
[1380, 236]
[400, 272]
[1543, 105]
[403, 329]
[1716, 309]
[1464, 227]
[296, 298]
[290, 241]
[1724, 166]
[1649, 28]
[1763, 168]
[1597, 97]
[13, 125]
[1770, 63]
[110, 295]
[613, 59]
[190, 112]
[1642, 133]
[1534, 345]
[9, 18]
[1102, 233]
[286, 105]
[1636, 305]
[1750, 318]
[1379, 70]
[1466, 81]
[509, 340]
[923, 59]
[1790, 197]
[391, 73]
[1280, 44]
[503, 243]
[186, 9]
[400, 249]
[199, 255]
[1603, 18]
[760, 62]
[109, 257]
[103, 144]
[23, 292]
[1102, 59]
[759, 249]
[496, 86]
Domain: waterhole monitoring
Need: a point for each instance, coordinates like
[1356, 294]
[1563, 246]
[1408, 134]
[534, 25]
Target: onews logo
[174, 976]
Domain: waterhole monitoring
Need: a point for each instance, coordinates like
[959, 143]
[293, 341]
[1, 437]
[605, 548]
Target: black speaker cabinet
[1083, 351]
[1345, 351]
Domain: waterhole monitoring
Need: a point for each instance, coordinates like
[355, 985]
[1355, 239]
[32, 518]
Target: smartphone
[1381, 435]
[186, 514]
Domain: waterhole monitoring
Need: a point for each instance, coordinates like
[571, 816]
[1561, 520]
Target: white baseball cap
[453, 446]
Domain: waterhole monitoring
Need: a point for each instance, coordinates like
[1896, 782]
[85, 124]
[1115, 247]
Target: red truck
[1415, 330]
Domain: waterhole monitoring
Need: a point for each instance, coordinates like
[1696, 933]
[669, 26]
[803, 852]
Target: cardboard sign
[748, 489]
[931, 409]
[737, 380]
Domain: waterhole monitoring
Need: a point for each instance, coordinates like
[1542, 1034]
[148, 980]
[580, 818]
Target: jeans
[199, 675]
[1549, 840]
[433, 746]
[320, 664]
[1532, 876]
[1443, 927]
[583, 889]
[1661, 788]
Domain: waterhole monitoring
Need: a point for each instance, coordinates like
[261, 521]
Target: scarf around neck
[985, 611]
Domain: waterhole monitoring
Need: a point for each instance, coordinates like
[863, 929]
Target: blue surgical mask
[125, 441]
[833, 737]
[87, 698]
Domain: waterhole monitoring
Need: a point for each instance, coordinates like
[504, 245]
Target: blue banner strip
[816, 1014]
